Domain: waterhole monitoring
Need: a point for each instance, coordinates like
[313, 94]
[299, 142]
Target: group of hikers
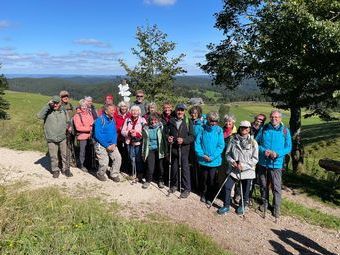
[187, 151]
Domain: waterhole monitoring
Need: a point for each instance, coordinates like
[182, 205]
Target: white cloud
[92, 42]
[4, 24]
[90, 61]
[160, 2]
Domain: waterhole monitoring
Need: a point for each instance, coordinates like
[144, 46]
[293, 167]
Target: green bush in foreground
[46, 222]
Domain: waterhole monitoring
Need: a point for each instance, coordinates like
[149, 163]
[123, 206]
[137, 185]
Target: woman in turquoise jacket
[209, 145]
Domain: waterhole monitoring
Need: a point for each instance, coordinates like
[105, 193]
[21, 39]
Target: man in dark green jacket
[55, 126]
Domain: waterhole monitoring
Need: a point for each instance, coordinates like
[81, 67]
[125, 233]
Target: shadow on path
[44, 162]
[301, 243]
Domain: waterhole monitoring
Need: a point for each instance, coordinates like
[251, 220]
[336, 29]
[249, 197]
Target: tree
[155, 70]
[291, 48]
[4, 105]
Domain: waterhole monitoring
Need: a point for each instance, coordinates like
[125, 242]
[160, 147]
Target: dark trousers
[185, 172]
[229, 185]
[123, 150]
[271, 177]
[153, 161]
[208, 181]
[83, 144]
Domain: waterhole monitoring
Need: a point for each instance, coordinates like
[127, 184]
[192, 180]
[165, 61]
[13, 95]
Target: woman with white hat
[242, 156]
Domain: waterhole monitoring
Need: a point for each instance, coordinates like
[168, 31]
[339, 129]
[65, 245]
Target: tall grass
[47, 222]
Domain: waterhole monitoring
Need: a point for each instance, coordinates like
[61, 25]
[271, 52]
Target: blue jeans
[135, 154]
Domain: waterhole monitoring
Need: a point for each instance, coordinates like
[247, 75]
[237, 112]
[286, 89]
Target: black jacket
[184, 131]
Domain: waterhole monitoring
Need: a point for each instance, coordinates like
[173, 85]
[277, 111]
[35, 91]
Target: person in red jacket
[120, 116]
[83, 123]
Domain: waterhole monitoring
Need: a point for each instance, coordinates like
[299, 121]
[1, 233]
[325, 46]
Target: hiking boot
[223, 210]
[115, 179]
[101, 177]
[241, 210]
[68, 173]
[185, 194]
[161, 185]
[276, 213]
[84, 169]
[146, 185]
[55, 174]
[173, 189]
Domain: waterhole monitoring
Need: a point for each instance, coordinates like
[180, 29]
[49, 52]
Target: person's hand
[273, 155]
[111, 148]
[133, 133]
[170, 139]
[234, 164]
[206, 158]
[179, 140]
[239, 167]
[267, 153]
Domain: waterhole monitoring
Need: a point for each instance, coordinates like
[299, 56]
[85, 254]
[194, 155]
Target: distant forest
[99, 86]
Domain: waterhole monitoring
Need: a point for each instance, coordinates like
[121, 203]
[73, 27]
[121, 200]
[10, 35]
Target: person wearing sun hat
[242, 157]
[55, 126]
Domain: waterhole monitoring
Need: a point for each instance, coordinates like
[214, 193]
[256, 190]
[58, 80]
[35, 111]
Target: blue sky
[88, 37]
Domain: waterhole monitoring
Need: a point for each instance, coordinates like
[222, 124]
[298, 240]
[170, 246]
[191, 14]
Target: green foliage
[47, 222]
[155, 70]
[222, 111]
[3, 103]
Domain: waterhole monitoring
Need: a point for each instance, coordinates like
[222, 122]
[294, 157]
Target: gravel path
[252, 235]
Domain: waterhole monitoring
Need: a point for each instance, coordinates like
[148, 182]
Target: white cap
[245, 123]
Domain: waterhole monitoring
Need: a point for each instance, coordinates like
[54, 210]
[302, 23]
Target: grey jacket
[55, 124]
[245, 151]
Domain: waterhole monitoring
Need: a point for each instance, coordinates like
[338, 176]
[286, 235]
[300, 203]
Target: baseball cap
[181, 106]
[55, 99]
[245, 123]
[63, 93]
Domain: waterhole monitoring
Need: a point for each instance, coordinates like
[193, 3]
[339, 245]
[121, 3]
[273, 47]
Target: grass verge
[310, 215]
[45, 221]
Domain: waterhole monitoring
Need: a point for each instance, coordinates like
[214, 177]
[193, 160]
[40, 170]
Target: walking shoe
[161, 185]
[209, 202]
[185, 194]
[240, 210]
[173, 189]
[101, 177]
[263, 207]
[146, 185]
[55, 174]
[84, 169]
[203, 200]
[115, 179]
[223, 210]
[68, 173]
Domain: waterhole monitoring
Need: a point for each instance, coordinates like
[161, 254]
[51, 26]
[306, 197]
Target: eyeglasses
[244, 127]
[180, 110]
[64, 96]
[139, 96]
[213, 121]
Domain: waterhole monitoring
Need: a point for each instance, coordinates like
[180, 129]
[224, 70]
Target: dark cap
[181, 106]
[55, 99]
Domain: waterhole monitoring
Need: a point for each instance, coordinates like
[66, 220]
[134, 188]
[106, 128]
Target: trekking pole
[180, 168]
[242, 200]
[265, 195]
[219, 191]
[170, 168]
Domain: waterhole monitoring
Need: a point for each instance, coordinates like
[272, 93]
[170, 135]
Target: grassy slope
[47, 222]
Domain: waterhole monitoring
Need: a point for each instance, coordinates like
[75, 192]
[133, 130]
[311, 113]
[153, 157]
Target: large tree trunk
[297, 153]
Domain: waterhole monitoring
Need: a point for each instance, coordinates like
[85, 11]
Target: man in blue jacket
[105, 135]
[275, 143]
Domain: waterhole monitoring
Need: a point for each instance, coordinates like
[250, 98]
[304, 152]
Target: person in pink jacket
[132, 131]
[83, 123]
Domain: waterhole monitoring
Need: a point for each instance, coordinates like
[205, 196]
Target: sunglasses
[64, 96]
[213, 121]
[180, 110]
[139, 96]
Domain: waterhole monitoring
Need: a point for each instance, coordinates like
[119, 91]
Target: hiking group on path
[186, 153]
